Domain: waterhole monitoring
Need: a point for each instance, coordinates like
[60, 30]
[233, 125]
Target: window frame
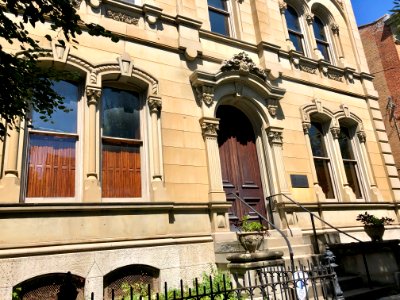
[223, 12]
[299, 34]
[326, 43]
[78, 135]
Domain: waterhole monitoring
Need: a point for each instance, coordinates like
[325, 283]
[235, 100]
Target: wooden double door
[239, 162]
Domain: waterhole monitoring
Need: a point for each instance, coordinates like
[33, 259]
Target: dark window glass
[294, 29]
[120, 114]
[349, 162]
[60, 120]
[320, 36]
[317, 140]
[219, 16]
[324, 177]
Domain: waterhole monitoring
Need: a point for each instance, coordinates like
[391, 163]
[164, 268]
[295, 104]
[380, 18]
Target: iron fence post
[316, 248]
[329, 261]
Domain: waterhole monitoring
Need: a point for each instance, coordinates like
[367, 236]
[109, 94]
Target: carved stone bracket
[93, 95]
[209, 127]
[275, 136]
[244, 64]
[205, 94]
[155, 104]
[306, 127]
[272, 107]
[335, 132]
[362, 137]
[309, 18]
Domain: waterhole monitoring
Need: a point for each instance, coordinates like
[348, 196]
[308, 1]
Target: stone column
[338, 43]
[347, 192]
[374, 193]
[10, 183]
[92, 189]
[209, 128]
[155, 108]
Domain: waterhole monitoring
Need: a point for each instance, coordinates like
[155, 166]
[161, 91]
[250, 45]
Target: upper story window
[219, 16]
[121, 144]
[294, 29]
[51, 162]
[345, 140]
[322, 162]
[321, 38]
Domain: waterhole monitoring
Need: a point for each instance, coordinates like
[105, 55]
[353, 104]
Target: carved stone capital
[93, 95]
[205, 94]
[335, 28]
[209, 127]
[282, 6]
[275, 136]
[155, 104]
[362, 137]
[309, 18]
[335, 132]
[306, 127]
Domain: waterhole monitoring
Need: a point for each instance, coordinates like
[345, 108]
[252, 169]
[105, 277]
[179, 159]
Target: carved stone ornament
[282, 6]
[275, 137]
[121, 17]
[76, 3]
[308, 69]
[335, 28]
[209, 127]
[362, 137]
[309, 18]
[93, 95]
[306, 127]
[335, 132]
[206, 94]
[243, 63]
[155, 104]
[336, 77]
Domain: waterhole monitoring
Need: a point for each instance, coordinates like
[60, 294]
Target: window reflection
[294, 29]
[219, 16]
[321, 39]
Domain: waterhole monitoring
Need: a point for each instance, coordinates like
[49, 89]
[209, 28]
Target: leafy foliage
[247, 225]
[368, 219]
[25, 85]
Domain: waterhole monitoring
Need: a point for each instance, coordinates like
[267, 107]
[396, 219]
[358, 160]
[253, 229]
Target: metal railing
[312, 216]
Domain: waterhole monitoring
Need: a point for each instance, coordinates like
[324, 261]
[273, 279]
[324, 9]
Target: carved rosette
[155, 104]
[309, 18]
[282, 6]
[362, 137]
[206, 94]
[335, 28]
[243, 63]
[306, 127]
[275, 137]
[93, 95]
[209, 127]
[335, 132]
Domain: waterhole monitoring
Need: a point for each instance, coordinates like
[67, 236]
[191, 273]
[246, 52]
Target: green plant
[16, 293]
[368, 219]
[248, 225]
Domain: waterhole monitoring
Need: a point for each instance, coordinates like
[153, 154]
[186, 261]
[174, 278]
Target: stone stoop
[301, 245]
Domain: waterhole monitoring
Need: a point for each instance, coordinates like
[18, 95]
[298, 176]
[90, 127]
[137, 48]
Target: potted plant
[373, 226]
[251, 234]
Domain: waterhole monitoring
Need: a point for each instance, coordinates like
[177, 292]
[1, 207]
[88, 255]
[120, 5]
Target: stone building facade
[199, 102]
[381, 46]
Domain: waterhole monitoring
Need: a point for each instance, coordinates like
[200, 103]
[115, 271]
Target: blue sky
[367, 11]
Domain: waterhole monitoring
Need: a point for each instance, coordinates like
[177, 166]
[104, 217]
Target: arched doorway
[239, 161]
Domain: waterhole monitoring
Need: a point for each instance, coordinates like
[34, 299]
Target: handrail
[312, 215]
[291, 255]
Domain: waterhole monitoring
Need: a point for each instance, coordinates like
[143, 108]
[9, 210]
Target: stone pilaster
[155, 105]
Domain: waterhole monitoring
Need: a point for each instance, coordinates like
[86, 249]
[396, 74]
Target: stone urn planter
[251, 241]
[375, 232]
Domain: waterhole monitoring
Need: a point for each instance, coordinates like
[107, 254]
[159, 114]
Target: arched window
[321, 159]
[321, 38]
[51, 150]
[294, 29]
[121, 143]
[345, 140]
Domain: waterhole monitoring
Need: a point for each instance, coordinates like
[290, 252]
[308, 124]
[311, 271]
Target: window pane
[345, 144]
[60, 120]
[219, 22]
[217, 4]
[121, 171]
[317, 140]
[120, 114]
[319, 30]
[324, 177]
[292, 19]
[323, 48]
[297, 41]
[51, 166]
[352, 178]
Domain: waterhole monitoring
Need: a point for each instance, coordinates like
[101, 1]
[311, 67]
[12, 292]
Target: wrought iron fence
[280, 282]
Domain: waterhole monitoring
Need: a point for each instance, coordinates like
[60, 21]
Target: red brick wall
[384, 63]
